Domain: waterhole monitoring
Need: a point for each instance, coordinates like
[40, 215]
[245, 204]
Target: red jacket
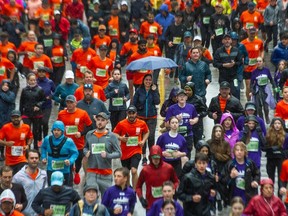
[258, 206]
[154, 177]
[62, 27]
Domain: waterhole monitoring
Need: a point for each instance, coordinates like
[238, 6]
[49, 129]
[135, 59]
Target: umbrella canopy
[151, 63]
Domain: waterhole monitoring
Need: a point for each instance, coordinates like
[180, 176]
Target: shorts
[247, 75]
[129, 75]
[132, 161]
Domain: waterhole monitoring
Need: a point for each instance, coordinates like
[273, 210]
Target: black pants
[205, 36]
[197, 131]
[117, 116]
[151, 123]
[45, 122]
[271, 165]
[271, 31]
[57, 75]
[35, 123]
[189, 141]
[78, 162]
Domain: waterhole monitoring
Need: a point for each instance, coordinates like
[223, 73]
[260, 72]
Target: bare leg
[134, 177]
[247, 83]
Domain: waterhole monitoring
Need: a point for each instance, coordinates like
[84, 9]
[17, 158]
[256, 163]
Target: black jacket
[221, 57]
[233, 105]
[31, 97]
[252, 173]
[194, 183]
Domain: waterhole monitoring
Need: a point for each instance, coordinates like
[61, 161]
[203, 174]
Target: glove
[130, 52]
[258, 129]
[144, 202]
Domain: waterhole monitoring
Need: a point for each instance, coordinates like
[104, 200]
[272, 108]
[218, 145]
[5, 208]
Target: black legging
[35, 123]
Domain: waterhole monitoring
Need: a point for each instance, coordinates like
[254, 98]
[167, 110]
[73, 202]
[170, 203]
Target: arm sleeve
[37, 203]
[116, 148]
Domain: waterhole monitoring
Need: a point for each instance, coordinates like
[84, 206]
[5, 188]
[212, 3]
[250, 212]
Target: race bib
[177, 40]
[252, 61]
[83, 69]
[219, 31]
[253, 146]
[71, 130]
[153, 29]
[16, 150]
[94, 24]
[240, 183]
[58, 210]
[56, 6]
[182, 129]
[30, 54]
[101, 72]
[117, 101]
[95, 95]
[58, 165]
[248, 25]
[132, 141]
[2, 70]
[206, 20]
[262, 80]
[48, 42]
[113, 32]
[57, 59]
[157, 192]
[286, 123]
[38, 64]
[45, 17]
[97, 148]
[22, 136]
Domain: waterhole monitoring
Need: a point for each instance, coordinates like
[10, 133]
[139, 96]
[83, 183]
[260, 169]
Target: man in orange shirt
[5, 45]
[150, 27]
[80, 59]
[102, 67]
[12, 8]
[100, 38]
[6, 65]
[251, 17]
[255, 49]
[16, 136]
[98, 91]
[142, 52]
[133, 133]
[77, 123]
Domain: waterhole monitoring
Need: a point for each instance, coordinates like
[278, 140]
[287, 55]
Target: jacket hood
[190, 85]
[155, 150]
[201, 144]
[164, 7]
[58, 125]
[224, 117]
[173, 92]
[7, 195]
[5, 81]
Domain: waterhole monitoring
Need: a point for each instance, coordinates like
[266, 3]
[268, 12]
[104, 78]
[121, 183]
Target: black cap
[250, 106]
[42, 68]
[57, 36]
[103, 115]
[103, 47]
[132, 108]
[90, 187]
[179, 14]
[114, 6]
[151, 36]
[181, 92]
[142, 41]
[224, 84]
[251, 118]
[226, 35]
[15, 113]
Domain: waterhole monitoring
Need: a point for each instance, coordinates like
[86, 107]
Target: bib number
[97, 148]
[132, 141]
[17, 150]
[58, 165]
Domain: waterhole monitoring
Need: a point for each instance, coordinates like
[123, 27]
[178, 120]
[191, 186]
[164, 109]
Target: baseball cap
[71, 98]
[226, 35]
[132, 108]
[96, 2]
[197, 38]
[103, 115]
[179, 14]
[251, 5]
[102, 27]
[15, 113]
[114, 6]
[224, 84]
[124, 3]
[103, 47]
[252, 29]
[156, 156]
[57, 36]
[69, 74]
[57, 178]
[187, 34]
[42, 68]
[57, 12]
[88, 86]
[250, 106]
[85, 41]
[90, 187]
[150, 36]
[47, 22]
[133, 30]
[181, 92]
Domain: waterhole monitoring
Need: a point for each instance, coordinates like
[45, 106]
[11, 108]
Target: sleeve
[155, 96]
[284, 173]
[152, 210]
[73, 151]
[132, 203]
[37, 203]
[250, 209]
[106, 201]
[217, 60]
[182, 190]
[109, 91]
[169, 114]
[116, 148]
[86, 147]
[24, 200]
[208, 73]
[44, 147]
[174, 178]
[75, 197]
[8, 97]
[186, 169]
[140, 182]
[88, 121]
[183, 73]
[42, 99]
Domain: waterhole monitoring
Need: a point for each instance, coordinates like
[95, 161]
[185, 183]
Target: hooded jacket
[7, 104]
[8, 195]
[164, 21]
[68, 151]
[280, 52]
[233, 137]
[167, 103]
[154, 177]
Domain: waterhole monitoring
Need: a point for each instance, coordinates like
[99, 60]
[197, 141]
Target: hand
[78, 66]
[214, 115]
[166, 154]
[25, 147]
[234, 173]
[103, 154]
[44, 161]
[36, 109]
[141, 143]
[17, 31]
[67, 162]
[282, 191]
[254, 184]
[77, 134]
[170, 44]
[123, 34]
[212, 193]
[117, 210]
[196, 198]
[179, 116]
[19, 207]
[192, 121]
[48, 212]
[116, 91]
[144, 202]
[216, 178]
[130, 52]
[10, 143]
[212, 37]
[189, 78]
[87, 154]
[153, 87]
[123, 138]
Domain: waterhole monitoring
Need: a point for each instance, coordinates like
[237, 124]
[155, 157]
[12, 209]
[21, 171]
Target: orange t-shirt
[17, 9]
[98, 41]
[4, 65]
[82, 58]
[27, 46]
[101, 70]
[249, 19]
[58, 56]
[155, 50]
[281, 110]
[138, 75]
[34, 175]
[135, 129]
[113, 26]
[98, 93]
[36, 62]
[43, 15]
[5, 48]
[254, 49]
[15, 155]
[129, 46]
[262, 4]
[222, 103]
[55, 4]
[147, 28]
[80, 119]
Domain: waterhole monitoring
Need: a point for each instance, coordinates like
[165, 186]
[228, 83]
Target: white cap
[124, 3]
[56, 12]
[197, 38]
[96, 2]
[69, 74]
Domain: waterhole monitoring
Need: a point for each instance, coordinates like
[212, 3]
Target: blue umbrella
[151, 63]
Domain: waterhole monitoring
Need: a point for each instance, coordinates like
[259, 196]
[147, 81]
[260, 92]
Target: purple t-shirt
[188, 112]
[168, 143]
[240, 181]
